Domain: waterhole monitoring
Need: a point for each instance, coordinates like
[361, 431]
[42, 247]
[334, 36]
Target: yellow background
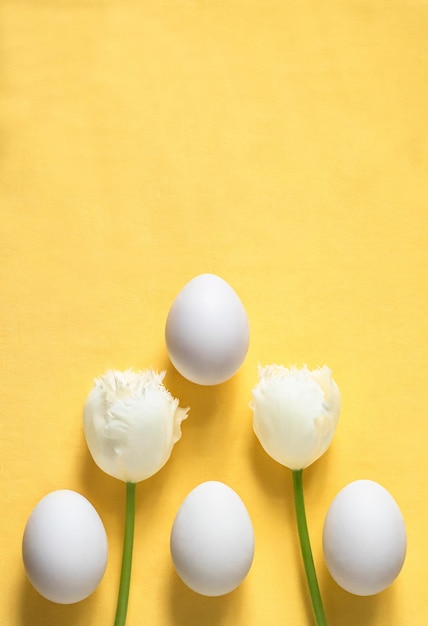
[280, 144]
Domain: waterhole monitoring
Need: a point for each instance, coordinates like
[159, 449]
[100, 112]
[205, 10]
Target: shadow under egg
[188, 608]
[35, 610]
[357, 609]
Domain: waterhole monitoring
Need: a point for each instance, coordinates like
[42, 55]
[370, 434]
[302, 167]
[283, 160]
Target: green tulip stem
[128, 543]
[305, 546]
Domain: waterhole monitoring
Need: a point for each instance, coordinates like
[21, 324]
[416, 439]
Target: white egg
[64, 547]
[212, 540]
[207, 331]
[364, 538]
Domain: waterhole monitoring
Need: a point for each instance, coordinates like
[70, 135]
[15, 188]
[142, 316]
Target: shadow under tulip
[274, 478]
[104, 492]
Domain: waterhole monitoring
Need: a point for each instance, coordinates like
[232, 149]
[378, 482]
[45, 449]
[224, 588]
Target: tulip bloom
[295, 417]
[131, 423]
[295, 413]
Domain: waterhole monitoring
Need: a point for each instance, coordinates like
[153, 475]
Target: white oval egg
[64, 547]
[364, 538]
[212, 540]
[207, 331]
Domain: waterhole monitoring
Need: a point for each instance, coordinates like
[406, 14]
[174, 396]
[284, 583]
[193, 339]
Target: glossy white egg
[212, 540]
[64, 547]
[364, 538]
[207, 331]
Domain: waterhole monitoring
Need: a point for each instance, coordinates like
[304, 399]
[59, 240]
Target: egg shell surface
[364, 538]
[212, 540]
[207, 331]
[64, 547]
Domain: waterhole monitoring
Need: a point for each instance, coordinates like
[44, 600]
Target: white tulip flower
[295, 417]
[295, 413]
[131, 423]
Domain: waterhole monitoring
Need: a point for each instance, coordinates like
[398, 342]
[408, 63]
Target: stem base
[128, 544]
[305, 546]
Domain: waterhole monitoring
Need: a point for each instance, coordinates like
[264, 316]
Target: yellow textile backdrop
[281, 145]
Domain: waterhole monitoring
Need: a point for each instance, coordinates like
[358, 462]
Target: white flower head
[295, 413]
[131, 423]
